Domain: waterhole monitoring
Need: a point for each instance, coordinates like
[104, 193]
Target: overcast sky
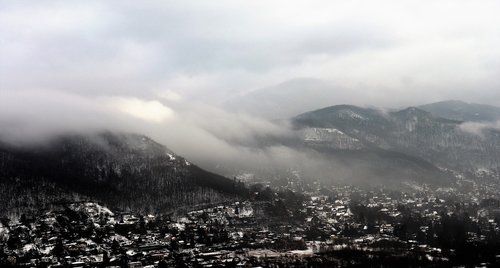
[212, 50]
[94, 64]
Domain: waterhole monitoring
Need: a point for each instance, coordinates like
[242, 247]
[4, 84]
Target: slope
[125, 171]
[463, 111]
[412, 132]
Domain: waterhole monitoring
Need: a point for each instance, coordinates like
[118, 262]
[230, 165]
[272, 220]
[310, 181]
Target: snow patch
[350, 114]
[170, 156]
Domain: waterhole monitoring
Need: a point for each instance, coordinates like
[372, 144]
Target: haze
[175, 70]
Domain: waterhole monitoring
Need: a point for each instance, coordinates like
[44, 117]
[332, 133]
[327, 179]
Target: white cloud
[478, 128]
[151, 111]
[170, 95]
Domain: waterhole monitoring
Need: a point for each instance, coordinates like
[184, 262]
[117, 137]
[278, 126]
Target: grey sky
[164, 67]
[212, 50]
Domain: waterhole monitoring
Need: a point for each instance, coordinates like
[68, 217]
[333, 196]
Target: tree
[5, 222]
[58, 249]
[23, 220]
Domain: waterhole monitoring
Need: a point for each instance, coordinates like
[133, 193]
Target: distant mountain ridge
[124, 171]
[285, 99]
[300, 95]
[463, 111]
[364, 145]
[411, 131]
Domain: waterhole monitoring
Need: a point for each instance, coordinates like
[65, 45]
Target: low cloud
[202, 133]
[151, 111]
[170, 95]
[229, 143]
[478, 128]
[223, 142]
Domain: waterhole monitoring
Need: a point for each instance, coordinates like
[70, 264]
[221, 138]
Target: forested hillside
[125, 171]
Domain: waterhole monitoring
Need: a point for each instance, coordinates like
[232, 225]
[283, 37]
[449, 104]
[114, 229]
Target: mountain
[425, 141]
[463, 111]
[124, 171]
[284, 100]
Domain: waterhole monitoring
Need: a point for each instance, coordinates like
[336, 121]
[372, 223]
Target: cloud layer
[212, 51]
[163, 68]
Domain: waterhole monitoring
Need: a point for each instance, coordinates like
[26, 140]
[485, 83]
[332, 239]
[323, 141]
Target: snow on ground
[350, 114]
[305, 252]
[171, 156]
[263, 253]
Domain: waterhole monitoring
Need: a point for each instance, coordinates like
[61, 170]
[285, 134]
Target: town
[332, 226]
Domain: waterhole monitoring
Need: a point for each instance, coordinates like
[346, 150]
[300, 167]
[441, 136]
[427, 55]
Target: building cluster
[326, 226]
